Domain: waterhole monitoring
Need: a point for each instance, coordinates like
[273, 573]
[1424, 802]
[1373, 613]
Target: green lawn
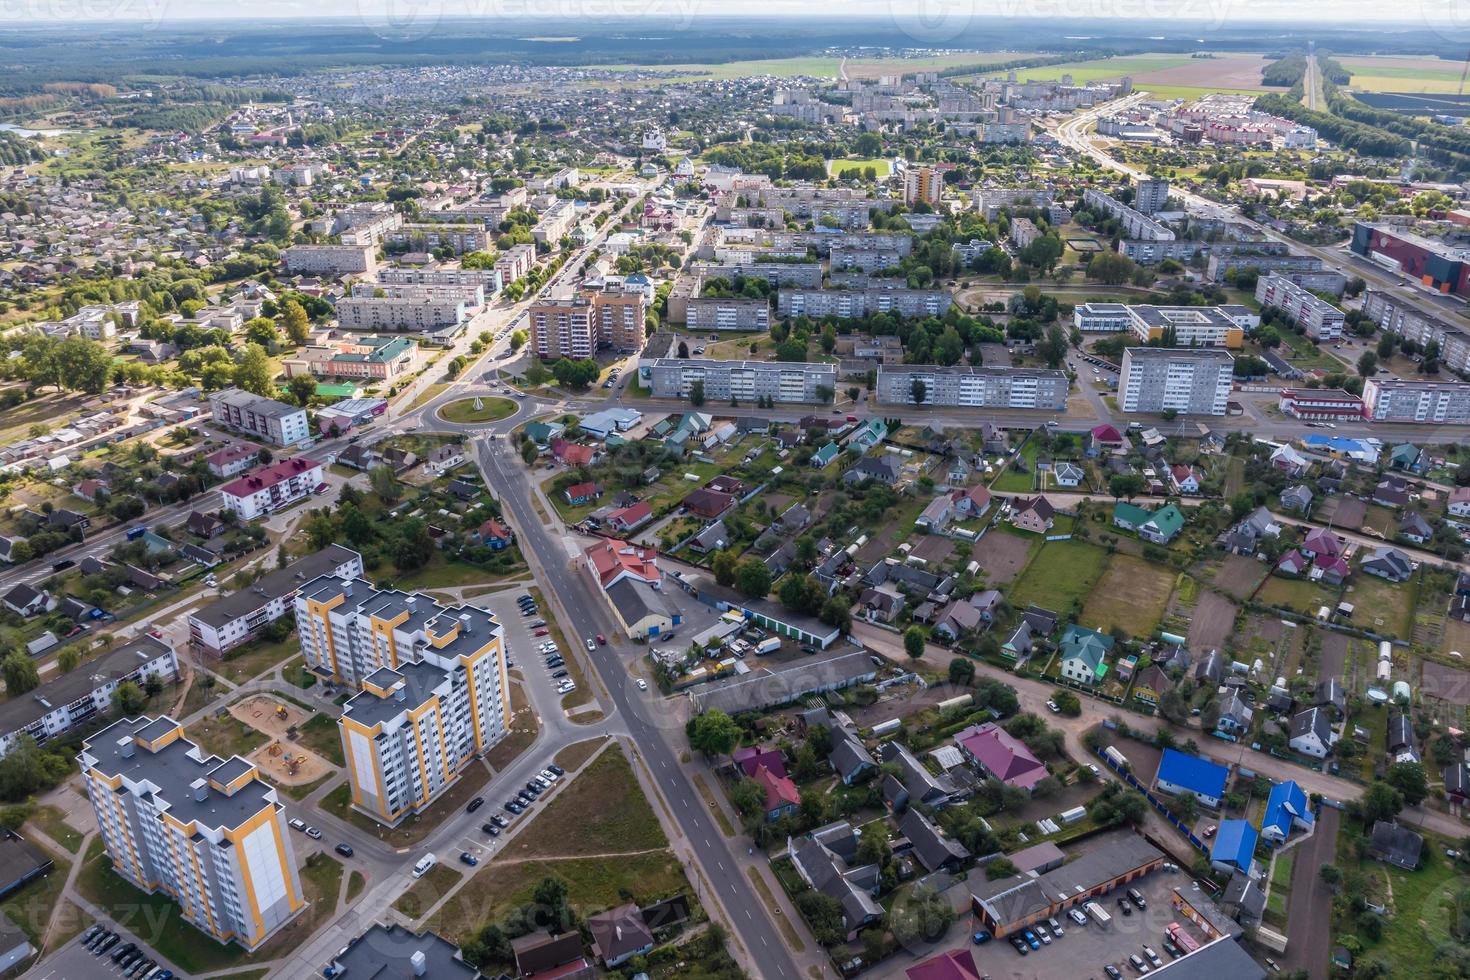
[492, 409]
[442, 573]
[427, 890]
[225, 736]
[839, 167]
[1009, 481]
[1060, 574]
[1382, 606]
[253, 659]
[1297, 594]
[603, 809]
[52, 824]
[320, 734]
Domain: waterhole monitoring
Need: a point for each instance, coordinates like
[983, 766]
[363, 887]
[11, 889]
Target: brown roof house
[1032, 514]
[619, 934]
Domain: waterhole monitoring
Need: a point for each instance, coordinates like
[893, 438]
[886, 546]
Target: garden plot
[1131, 595]
[1001, 555]
[1212, 622]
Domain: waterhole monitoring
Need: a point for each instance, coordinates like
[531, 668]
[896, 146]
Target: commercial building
[1150, 194]
[207, 832]
[73, 698]
[1330, 404]
[271, 487]
[1319, 319]
[732, 313]
[1185, 326]
[577, 327]
[923, 185]
[275, 422]
[1135, 223]
[331, 260]
[1102, 317]
[370, 358]
[1160, 379]
[973, 387]
[422, 309]
[240, 616]
[1437, 264]
[745, 381]
[847, 303]
[1397, 400]
[432, 687]
[1397, 316]
[394, 951]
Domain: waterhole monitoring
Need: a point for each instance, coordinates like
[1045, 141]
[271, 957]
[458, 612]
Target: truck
[1099, 914]
[769, 645]
[1181, 939]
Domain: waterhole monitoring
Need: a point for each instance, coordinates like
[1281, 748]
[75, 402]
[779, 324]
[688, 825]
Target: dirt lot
[933, 548]
[1212, 621]
[1222, 73]
[1343, 511]
[1131, 594]
[1239, 575]
[1334, 653]
[282, 760]
[262, 712]
[1001, 556]
[1446, 683]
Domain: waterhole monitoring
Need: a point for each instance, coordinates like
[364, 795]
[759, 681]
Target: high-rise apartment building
[432, 687]
[1160, 379]
[208, 832]
[1150, 194]
[923, 185]
[578, 326]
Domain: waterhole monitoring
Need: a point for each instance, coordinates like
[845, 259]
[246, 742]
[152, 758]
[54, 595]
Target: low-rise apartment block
[76, 697]
[1397, 316]
[991, 201]
[432, 687]
[331, 260]
[555, 223]
[670, 377]
[1186, 326]
[1425, 402]
[1135, 223]
[514, 263]
[865, 259]
[711, 313]
[1319, 319]
[487, 279]
[422, 309]
[808, 274]
[845, 303]
[1159, 379]
[370, 358]
[271, 487]
[275, 422]
[207, 832]
[973, 387]
[578, 326]
[240, 616]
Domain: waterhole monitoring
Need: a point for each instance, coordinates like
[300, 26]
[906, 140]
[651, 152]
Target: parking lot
[75, 962]
[1082, 951]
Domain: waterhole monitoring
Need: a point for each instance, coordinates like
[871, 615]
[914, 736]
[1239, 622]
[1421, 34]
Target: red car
[601, 640]
[542, 632]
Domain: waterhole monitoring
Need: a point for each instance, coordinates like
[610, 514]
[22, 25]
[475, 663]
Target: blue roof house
[1180, 773]
[1286, 808]
[1235, 846]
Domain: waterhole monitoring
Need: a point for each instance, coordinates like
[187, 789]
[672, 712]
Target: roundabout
[478, 410]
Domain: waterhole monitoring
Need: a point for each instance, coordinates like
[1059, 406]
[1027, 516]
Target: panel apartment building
[1195, 381]
[432, 687]
[271, 487]
[240, 616]
[207, 832]
[1398, 316]
[487, 279]
[847, 303]
[1425, 402]
[578, 326]
[330, 260]
[421, 309]
[1135, 223]
[424, 236]
[515, 263]
[275, 422]
[1319, 319]
[973, 387]
[671, 377]
[731, 313]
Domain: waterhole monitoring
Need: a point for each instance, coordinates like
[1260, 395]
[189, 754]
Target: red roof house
[782, 796]
[1001, 754]
[955, 964]
[627, 518]
[572, 453]
[612, 561]
[708, 503]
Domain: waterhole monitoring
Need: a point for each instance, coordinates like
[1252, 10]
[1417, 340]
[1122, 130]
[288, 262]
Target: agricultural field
[1062, 574]
[1422, 74]
[1130, 595]
[826, 67]
[1171, 76]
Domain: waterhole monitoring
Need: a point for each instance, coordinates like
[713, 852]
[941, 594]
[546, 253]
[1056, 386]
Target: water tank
[1385, 650]
[1400, 689]
[1376, 696]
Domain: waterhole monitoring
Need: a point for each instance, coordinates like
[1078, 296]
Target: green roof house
[1160, 526]
[1130, 517]
[541, 433]
[1082, 652]
[825, 455]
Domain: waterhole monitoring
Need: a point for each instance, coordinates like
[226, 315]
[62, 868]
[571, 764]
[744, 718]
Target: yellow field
[1427, 75]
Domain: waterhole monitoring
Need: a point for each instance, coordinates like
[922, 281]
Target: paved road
[1312, 82]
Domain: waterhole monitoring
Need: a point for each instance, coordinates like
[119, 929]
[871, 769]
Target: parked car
[313, 833]
[1137, 898]
[542, 631]
[560, 673]
[981, 937]
[1113, 972]
[601, 640]
[1031, 939]
[465, 857]
[556, 769]
[344, 849]
[1138, 963]
[295, 823]
[642, 684]
[475, 804]
[1055, 926]
[500, 821]
[1077, 916]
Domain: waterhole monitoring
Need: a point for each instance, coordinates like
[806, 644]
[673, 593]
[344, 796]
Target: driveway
[1309, 913]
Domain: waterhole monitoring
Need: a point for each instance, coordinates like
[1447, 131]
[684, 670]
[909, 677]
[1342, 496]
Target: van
[425, 863]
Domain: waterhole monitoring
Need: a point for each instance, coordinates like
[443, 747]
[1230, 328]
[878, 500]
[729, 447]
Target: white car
[642, 684]
[591, 645]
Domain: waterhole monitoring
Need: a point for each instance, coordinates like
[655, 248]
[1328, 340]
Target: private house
[1235, 714]
[854, 888]
[882, 603]
[573, 454]
[1234, 847]
[995, 752]
[1287, 809]
[1103, 439]
[708, 504]
[749, 758]
[885, 470]
[954, 964]
[956, 619]
[1413, 527]
[619, 934]
[1082, 652]
[1329, 694]
[1391, 491]
[1293, 563]
[868, 435]
[1151, 684]
[444, 459]
[542, 433]
[1399, 738]
[822, 457]
[1456, 782]
[1297, 498]
[625, 519]
[849, 758]
[1459, 502]
[494, 535]
[1289, 461]
[1160, 526]
[1311, 732]
[1019, 644]
[1388, 563]
[930, 847]
[1408, 457]
[711, 538]
[1067, 474]
[1395, 845]
[26, 601]
[914, 783]
[1032, 514]
[582, 493]
[1181, 773]
[1184, 479]
[782, 796]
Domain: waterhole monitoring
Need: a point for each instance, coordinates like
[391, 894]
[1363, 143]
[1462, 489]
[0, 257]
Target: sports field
[1423, 74]
[838, 167]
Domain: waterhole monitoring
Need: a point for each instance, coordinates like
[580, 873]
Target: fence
[1128, 777]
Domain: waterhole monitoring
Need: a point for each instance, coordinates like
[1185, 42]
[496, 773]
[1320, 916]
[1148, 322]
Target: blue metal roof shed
[1179, 773]
[1235, 845]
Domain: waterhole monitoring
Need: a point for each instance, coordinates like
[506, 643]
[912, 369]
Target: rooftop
[274, 585]
[67, 687]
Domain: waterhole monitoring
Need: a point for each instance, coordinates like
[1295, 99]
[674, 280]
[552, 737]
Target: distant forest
[102, 53]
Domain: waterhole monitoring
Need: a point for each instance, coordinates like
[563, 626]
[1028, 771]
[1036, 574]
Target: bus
[1181, 939]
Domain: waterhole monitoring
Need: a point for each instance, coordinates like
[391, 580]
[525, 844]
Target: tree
[20, 673]
[385, 484]
[696, 393]
[713, 733]
[302, 388]
[529, 452]
[823, 914]
[1367, 364]
[836, 612]
[1068, 703]
[723, 564]
[68, 659]
[128, 698]
[1380, 801]
[753, 578]
[295, 323]
[254, 372]
[518, 339]
[1001, 867]
[262, 330]
[918, 390]
[913, 642]
[1125, 485]
[1331, 875]
[749, 798]
[1409, 779]
[961, 671]
[1112, 268]
[1053, 347]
